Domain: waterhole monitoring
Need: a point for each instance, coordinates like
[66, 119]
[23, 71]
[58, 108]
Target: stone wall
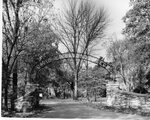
[22, 104]
[118, 98]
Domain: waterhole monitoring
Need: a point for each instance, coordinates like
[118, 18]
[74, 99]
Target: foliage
[18, 17]
[137, 30]
[41, 53]
[13, 41]
[138, 34]
[131, 56]
[93, 81]
[119, 54]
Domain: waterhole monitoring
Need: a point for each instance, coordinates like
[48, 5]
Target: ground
[72, 109]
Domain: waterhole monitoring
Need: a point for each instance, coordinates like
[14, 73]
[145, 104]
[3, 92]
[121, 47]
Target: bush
[140, 89]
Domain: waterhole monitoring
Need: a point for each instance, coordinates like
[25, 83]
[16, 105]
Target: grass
[30, 113]
[118, 109]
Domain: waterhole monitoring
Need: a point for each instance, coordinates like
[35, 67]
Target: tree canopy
[131, 56]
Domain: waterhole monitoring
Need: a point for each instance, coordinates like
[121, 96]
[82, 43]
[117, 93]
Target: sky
[116, 10]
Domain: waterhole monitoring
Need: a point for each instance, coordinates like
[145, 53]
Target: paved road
[68, 109]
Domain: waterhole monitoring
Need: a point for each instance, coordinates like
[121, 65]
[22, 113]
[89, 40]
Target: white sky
[116, 10]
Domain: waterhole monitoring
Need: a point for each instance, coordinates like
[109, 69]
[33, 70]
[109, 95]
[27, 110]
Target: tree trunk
[76, 86]
[37, 99]
[87, 95]
[6, 90]
[14, 95]
[95, 95]
[6, 95]
[72, 89]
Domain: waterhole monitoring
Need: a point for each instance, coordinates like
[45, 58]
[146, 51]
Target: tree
[81, 27]
[95, 83]
[119, 54]
[17, 16]
[137, 30]
[13, 27]
[65, 81]
[137, 33]
[131, 55]
[41, 53]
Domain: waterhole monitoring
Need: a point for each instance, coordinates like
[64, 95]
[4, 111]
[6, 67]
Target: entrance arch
[64, 56]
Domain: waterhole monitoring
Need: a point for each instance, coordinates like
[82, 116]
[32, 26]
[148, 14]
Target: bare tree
[79, 29]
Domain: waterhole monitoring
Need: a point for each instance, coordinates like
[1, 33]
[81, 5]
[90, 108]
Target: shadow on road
[73, 109]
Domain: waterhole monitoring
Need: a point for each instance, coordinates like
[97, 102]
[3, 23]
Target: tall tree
[17, 16]
[137, 32]
[41, 52]
[81, 27]
[12, 29]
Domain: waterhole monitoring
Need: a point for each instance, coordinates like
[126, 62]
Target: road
[70, 109]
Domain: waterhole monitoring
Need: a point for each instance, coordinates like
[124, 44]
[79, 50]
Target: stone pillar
[111, 89]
